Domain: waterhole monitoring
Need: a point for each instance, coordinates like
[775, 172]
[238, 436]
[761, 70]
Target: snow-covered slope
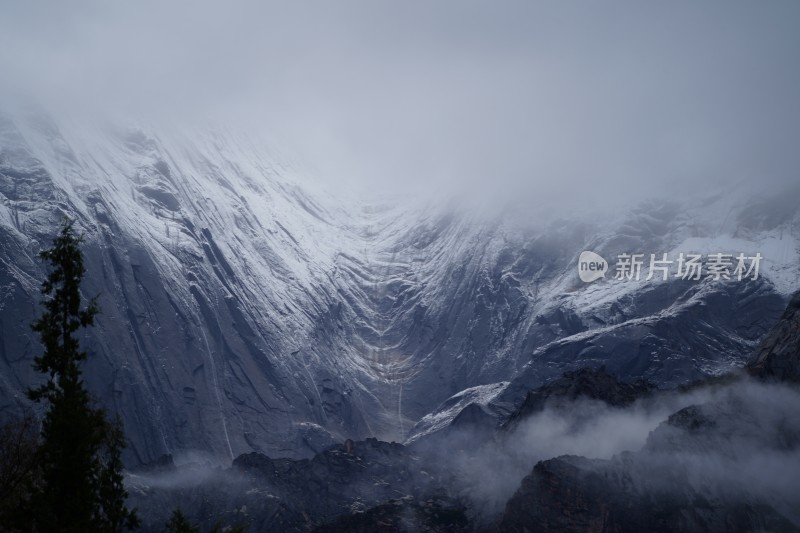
[217, 278]
[245, 308]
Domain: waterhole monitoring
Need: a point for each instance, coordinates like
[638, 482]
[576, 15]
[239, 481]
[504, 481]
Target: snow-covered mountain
[244, 308]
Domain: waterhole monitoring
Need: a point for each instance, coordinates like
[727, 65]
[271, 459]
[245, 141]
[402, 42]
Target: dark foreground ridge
[353, 485]
[366, 485]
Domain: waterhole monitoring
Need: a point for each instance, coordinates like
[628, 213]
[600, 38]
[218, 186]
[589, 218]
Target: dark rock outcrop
[778, 356]
[704, 469]
[588, 383]
[300, 495]
[577, 494]
[726, 464]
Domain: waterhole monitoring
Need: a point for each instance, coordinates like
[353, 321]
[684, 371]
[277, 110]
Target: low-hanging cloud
[753, 454]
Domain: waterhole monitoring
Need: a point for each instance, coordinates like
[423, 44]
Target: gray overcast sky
[638, 94]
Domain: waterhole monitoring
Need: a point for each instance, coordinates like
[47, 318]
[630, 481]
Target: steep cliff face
[666, 335]
[246, 309]
[778, 355]
[220, 301]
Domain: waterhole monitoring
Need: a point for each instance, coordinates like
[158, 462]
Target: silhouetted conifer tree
[79, 491]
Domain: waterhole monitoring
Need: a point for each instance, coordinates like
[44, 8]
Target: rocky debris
[778, 355]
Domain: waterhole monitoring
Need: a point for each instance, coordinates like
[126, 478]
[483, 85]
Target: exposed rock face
[699, 325]
[463, 421]
[778, 355]
[593, 384]
[471, 419]
[577, 494]
[693, 475]
[728, 464]
[649, 347]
